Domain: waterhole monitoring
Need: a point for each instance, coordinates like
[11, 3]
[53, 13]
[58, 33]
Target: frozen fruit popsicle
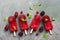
[23, 22]
[35, 22]
[13, 25]
[47, 23]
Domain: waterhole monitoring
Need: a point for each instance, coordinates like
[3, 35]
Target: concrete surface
[51, 7]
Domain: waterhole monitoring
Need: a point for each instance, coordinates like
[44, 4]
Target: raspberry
[37, 33]
[6, 27]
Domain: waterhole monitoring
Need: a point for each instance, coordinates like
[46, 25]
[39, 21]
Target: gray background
[51, 7]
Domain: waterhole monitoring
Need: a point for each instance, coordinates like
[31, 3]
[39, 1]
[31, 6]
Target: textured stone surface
[51, 7]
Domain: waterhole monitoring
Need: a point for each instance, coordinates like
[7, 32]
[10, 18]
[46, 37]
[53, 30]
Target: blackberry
[27, 14]
[20, 33]
[41, 29]
[21, 12]
[42, 13]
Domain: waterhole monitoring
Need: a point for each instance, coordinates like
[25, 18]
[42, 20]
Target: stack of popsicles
[24, 24]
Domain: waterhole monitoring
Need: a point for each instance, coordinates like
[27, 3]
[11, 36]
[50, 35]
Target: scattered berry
[37, 12]
[20, 33]
[27, 14]
[16, 14]
[6, 27]
[42, 13]
[37, 33]
[45, 35]
[41, 29]
[21, 12]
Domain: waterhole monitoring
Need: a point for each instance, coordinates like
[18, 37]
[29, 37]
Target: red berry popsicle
[35, 22]
[13, 25]
[23, 22]
[47, 23]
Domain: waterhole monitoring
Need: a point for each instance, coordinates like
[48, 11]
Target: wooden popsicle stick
[14, 33]
[50, 32]
[31, 31]
[25, 32]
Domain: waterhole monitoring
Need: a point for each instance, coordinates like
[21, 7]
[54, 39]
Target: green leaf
[5, 19]
[30, 16]
[30, 8]
[39, 4]
[53, 19]
[34, 6]
[45, 35]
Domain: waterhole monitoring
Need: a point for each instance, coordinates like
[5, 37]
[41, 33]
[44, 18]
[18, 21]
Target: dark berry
[20, 33]
[37, 33]
[42, 13]
[37, 12]
[41, 29]
[27, 14]
[16, 14]
[6, 27]
[21, 12]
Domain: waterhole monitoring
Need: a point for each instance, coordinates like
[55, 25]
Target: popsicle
[47, 23]
[13, 25]
[35, 22]
[23, 22]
